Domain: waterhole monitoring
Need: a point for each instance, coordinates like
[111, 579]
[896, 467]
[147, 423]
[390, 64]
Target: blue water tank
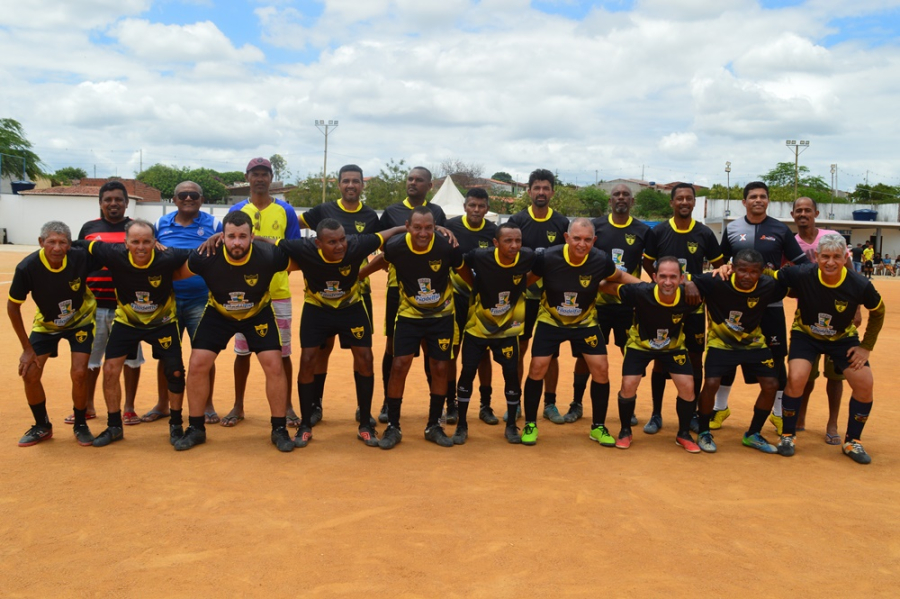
[866, 214]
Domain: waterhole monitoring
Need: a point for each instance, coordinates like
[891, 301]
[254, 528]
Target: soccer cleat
[634, 420]
[695, 423]
[192, 436]
[461, 434]
[436, 435]
[108, 436]
[512, 435]
[853, 449]
[653, 425]
[624, 440]
[576, 411]
[757, 441]
[529, 434]
[451, 416]
[36, 434]
[303, 437]
[715, 423]
[778, 423]
[83, 435]
[383, 415]
[176, 431]
[316, 416]
[486, 414]
[706, 443]
[551, 413]
[281, 439]
[786, 446]
[601, 435]
[392, 435]
[368, 435]
[518, 413]
[372, 422]
[685, 440]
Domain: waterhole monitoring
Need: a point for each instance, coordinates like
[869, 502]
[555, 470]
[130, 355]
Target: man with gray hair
[828, 295]
[56, 277]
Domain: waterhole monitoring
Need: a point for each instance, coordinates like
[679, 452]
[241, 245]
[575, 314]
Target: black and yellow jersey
[240, 289]
[469, 239]
[735, 315]
[396, 215]
[540, 234]
[145, 297]
[332, 285]
[825, 312]
[63, 299]
[362, 221]
[423, 277]
[690, 246]
[499, 306]
[624, 244]
[657, 325]
[570, 290]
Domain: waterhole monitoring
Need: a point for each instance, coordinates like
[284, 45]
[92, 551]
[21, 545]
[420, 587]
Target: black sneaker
[512, 435]
[176, 431]
[634, 420]
[576, 411]
[486, 414]
[83, 435]
[695, 423]
[304, 436]
[461, 434]
[36, 434]
[281, 439]
[372, 422]
[368, 435]
[436, 435]
[451, 416]
[316, 416]
[853, 449]
[383, 415]
[191, 437]
[391, 437]
[653, 425]
[111, 434]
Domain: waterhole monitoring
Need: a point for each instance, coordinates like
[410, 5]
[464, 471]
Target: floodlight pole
[797, 145]
[728, 196]
[834, 175]
[320, 123]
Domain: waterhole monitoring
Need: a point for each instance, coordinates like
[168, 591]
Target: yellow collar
[840, 281]
[47, 262]
[627, 224]
[152, 257]
[410, 206]
[497, 259]
[341, 206]
[465, 221]
[414, 250]
[677, 230]
[734, 284]
[540, 220]
[566, 256]
[661, 302]
[241, 262]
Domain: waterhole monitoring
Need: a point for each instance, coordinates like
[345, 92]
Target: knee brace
[174, 371]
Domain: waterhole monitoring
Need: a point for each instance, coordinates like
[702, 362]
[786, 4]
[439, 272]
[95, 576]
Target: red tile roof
[91, 187]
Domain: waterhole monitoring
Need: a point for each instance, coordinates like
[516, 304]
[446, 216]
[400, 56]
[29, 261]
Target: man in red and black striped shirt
[110, 228]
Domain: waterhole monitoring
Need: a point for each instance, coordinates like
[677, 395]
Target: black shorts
[617, 319]
[504, 349]
[804, 347]
[80, 341]
[695, 332]
[532, 307]
[774, 330]
[391, 306]
[215, 331]
[367, 302]
[350, 324]
[124, 340]
[587, 340]
[753, 362]
[461, 311]
[438, 334]
[674, 362]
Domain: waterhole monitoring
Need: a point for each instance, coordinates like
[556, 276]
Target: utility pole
[642, 172]
[728, 187]
[142, 162]
[596, 176]
[833, 189]
[319, 125]
[797, 145]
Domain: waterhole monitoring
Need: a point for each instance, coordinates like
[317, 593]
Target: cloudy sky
[670, 88]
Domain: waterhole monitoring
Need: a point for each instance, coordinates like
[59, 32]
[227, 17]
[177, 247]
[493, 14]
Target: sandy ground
[235, 518]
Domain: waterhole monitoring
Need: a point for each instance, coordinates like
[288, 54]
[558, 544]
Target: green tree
[231, 177]
[783, 174]
[878, 193]
[650, 204]
[388, 186]
[308, 192]
[17, 148]
[66, 175]
[595, 201]
[502, 176]
[164, 178]
[279, 167]
[209, 181]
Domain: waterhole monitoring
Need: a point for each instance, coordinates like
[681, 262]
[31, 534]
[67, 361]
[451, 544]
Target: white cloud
[194, 42]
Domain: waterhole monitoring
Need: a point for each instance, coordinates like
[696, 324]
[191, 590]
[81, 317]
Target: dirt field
[236, 518]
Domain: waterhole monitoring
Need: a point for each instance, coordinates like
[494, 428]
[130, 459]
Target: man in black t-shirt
[55, 277]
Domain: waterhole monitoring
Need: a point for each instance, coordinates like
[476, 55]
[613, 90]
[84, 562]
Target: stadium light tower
[323, 126]
[798, 148]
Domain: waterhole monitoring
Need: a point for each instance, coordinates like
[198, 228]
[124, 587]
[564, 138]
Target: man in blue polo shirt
[186, 228]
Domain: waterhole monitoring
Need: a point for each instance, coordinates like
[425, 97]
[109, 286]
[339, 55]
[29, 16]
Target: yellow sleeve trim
[305, 224]
[381, 239]
[16, 301]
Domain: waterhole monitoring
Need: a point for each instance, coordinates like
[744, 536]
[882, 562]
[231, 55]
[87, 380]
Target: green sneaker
[757, 441]
[529, 434]
[601, 435]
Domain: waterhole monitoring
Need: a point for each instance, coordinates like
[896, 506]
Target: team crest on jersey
[444, 344]
[275, 225]
[517, 279]
[585, 280]
[332, 290]
[142, 302]
[80, 336]
[507, 352]
[569, 306]
[840, 306]
[592, 340]
[251, 280]
[676, 318]
[629, 238]
[692, 247]
[700, 338]
[769, 363]
[75, 285]
[662, 339]
[502, 306]
[823, 326]
[618, 258]
[426, 294]
[165, 342]
[752, 301]
[680, 359]
[360, 227]
[734, 321]
[482, 244]
[358, 332]
[551, 236]
[344, 270]
[155, 281]
[435, 265]
[262, 329]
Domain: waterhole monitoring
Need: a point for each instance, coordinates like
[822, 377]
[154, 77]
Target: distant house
[140, 192]
[241, 191]
[492, 186]
[638, 185]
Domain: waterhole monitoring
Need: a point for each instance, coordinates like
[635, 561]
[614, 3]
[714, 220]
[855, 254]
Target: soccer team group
[460, 286]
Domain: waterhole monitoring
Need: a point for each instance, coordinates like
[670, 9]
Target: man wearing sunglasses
[186, 228]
